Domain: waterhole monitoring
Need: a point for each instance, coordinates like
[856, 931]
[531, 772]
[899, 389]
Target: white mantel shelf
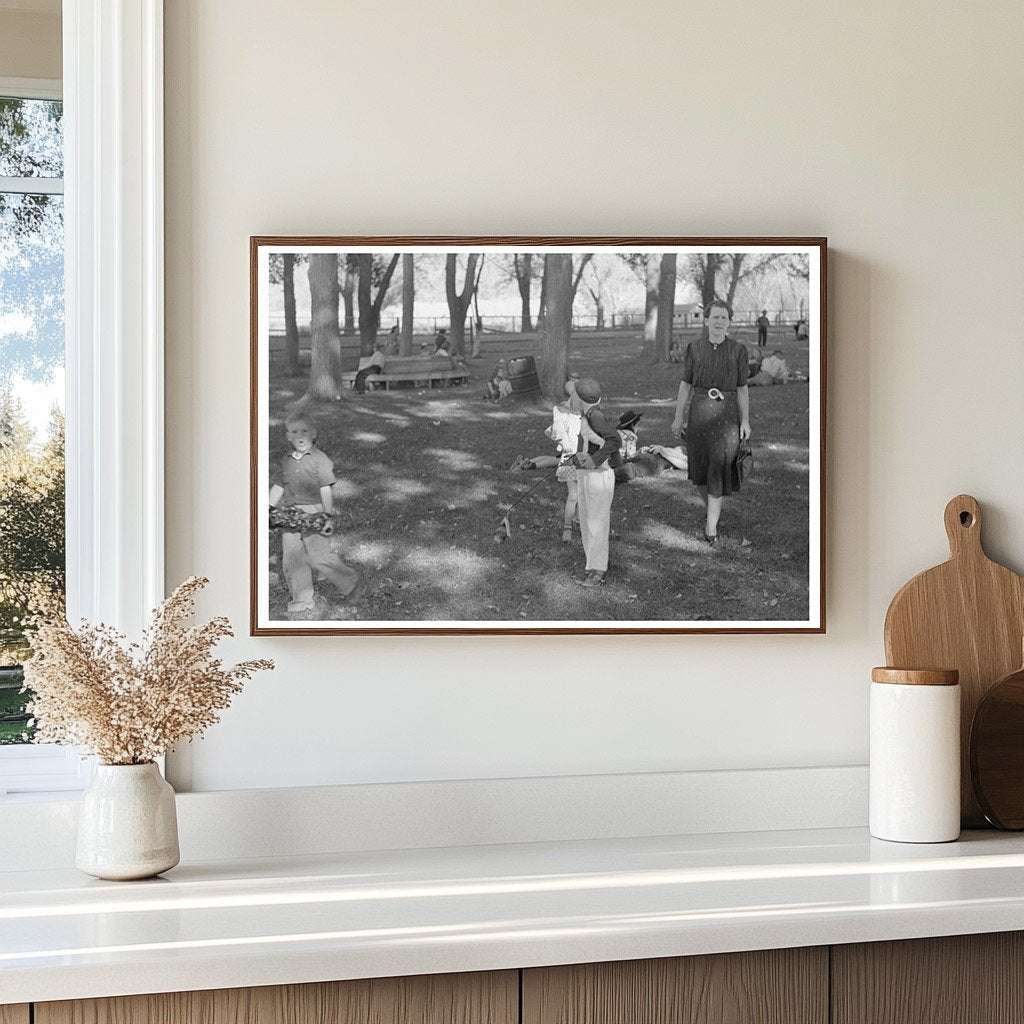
[227, 924]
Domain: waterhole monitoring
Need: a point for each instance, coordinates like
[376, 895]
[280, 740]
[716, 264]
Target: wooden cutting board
[967, 614]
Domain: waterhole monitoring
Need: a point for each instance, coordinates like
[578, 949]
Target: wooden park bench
[415, 370]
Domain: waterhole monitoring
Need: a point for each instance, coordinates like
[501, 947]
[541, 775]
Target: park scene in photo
[424, 382]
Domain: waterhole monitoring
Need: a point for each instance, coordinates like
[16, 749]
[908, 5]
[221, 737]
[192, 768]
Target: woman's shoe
[567, 535]
[711, 539]
[594, 578]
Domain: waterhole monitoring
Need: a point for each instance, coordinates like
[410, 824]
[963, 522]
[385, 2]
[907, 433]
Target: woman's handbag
[743, 465]
[565, 472]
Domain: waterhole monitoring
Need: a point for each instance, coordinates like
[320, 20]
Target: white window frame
[114, 346]
[31, 89]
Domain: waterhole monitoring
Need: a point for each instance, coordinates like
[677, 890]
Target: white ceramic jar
[127, 823]
[915, 755]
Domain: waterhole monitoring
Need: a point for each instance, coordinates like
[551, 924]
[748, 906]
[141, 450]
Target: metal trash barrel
[522, 374]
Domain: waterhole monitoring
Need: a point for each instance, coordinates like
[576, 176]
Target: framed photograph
[537, 435]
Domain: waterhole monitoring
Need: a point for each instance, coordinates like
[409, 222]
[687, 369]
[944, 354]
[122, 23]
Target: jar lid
[916, 676]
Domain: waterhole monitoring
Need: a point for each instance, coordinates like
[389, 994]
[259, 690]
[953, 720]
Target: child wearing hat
[596, 459]
[628, 441]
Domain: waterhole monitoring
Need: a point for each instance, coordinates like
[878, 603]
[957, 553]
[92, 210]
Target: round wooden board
[997, 752]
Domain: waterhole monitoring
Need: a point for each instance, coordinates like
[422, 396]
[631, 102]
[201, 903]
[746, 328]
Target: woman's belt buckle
[715, 395]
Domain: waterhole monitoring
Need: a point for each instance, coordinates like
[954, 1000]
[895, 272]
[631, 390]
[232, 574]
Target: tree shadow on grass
[422, 489]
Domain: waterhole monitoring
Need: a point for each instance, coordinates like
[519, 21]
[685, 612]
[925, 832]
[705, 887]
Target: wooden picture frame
[420, 462]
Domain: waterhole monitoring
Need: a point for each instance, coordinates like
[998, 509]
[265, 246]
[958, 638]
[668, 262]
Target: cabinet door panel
[778, 986]
[960, 979]
[484, 998]
[14, 1014]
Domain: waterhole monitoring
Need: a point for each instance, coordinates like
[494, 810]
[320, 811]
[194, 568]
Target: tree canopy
[31, 522]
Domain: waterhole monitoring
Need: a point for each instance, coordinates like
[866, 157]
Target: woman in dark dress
[715, 381]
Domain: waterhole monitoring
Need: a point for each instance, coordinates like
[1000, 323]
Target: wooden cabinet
[967, 979]
[777, 986]
[962, 979]
[491, 998]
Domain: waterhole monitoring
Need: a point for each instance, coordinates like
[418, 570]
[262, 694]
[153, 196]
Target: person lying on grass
[775, 370]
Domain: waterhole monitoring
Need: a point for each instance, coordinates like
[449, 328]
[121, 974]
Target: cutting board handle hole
[966, 519]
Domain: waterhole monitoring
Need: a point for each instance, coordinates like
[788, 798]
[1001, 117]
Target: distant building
[687, 314]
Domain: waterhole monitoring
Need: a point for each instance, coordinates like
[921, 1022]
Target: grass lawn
[12, 719]
[423, 482]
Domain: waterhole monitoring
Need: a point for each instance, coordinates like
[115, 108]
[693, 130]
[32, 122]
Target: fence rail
[430, 325]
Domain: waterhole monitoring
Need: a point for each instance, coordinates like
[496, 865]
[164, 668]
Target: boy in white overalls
[596, 478]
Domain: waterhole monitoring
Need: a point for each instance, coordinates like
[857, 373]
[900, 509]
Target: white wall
[894, 129]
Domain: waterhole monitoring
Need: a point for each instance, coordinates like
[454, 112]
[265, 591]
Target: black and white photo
[537, 435]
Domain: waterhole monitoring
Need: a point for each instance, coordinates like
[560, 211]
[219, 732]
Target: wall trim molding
[114, 287]
[244, 824]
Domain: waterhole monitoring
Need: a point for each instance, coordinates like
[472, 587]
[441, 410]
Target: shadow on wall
[852, 288]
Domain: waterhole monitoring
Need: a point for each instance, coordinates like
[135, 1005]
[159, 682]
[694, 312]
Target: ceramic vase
[127, 825]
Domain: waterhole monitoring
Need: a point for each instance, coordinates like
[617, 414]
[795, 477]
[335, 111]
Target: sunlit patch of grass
[370, 553]
[345, 490]
[454, 459]
[404, 489]
[671, 537]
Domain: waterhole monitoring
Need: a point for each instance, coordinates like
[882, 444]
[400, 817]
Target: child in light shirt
[305, 483]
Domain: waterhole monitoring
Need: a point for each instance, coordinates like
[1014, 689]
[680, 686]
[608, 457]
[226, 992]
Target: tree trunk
[324, 334]
[554, 343]
[478, 323]
[348, 289]
[408, 303]
[370, 305]
[666, 307]
[652, 279]
[367, 328]
[736, 273]
[382, 292]
[543, 304]
[523, 263]
[584, 260]
[598, 300]
[458, 302]
[291, 327]
[708, 293]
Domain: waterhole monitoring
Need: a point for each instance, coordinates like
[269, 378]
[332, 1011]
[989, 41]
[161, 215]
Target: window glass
[31, 138]
[31, 389]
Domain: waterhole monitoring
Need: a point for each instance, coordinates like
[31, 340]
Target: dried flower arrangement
[130, 703]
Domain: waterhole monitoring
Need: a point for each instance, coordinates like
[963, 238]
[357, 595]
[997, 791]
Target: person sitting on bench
[370, 366]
